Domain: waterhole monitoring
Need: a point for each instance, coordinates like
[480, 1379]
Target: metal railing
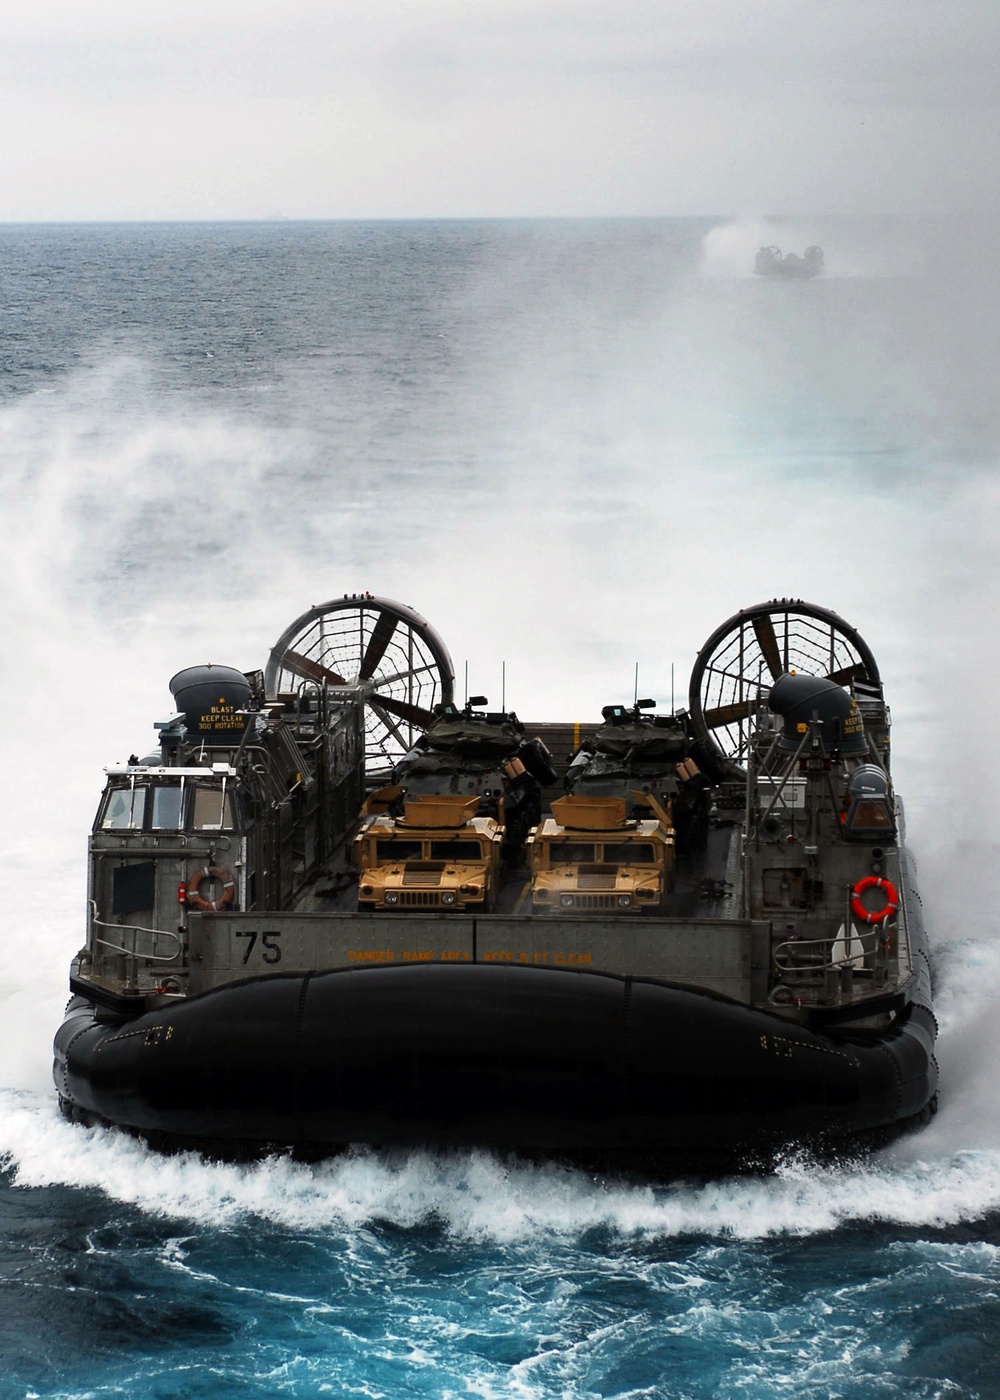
[134, 929]
[829, 962]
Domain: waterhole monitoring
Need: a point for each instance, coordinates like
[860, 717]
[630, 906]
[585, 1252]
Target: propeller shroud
[745, 656]
[380, 648]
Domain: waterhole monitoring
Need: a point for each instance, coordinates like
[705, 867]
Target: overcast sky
[194, 109]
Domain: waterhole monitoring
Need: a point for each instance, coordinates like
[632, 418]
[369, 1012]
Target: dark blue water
[105, 1299]
[575, 447]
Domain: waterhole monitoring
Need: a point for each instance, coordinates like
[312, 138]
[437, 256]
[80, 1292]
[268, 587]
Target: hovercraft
[333, 908]
[770, 262]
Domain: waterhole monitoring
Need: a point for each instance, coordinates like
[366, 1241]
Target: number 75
[268, 941]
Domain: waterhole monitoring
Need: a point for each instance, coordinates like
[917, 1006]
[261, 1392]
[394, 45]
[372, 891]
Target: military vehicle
[486, 754]
[588, 857]
[637, 756]
[230, 997]
[462, 800]
[436, 854]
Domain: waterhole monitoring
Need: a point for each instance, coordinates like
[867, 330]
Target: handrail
[136, 928]
[846, 961]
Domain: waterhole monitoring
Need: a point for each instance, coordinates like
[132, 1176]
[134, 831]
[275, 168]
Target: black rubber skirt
[533, 1060]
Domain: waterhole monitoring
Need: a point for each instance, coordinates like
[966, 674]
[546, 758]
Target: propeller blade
[310, 670]
[728, 714]
[377, 643]
[764, 630]
[413, 714]
[389, 724]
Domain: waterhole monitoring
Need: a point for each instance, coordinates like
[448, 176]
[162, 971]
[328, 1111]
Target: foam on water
[466, 1276]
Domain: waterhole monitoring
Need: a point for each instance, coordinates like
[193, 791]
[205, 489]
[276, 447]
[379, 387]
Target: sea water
[576, 448]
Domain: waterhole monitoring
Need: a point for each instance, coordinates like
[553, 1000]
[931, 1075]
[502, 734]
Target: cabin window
[629, 853]
[389, 852]
[167, 808]
[869, 811]
[871, 817]
[212, 809]
[125, 809]
[572, 852]
[456, 849]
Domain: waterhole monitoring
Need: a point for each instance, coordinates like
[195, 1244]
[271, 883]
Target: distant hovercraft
[770, 262]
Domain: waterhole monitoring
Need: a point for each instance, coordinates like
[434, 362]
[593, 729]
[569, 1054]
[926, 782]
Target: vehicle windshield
[629, 853]
[167, 802]
[212, 809]
[571, 852]
[125, 809]
[456, 849]
[389, 852]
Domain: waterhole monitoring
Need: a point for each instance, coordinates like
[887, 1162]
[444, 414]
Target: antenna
[635, 697]
[673, 710]
[503, 686]
[466, 700]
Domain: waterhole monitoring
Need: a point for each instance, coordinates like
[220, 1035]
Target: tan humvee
[436, 856]
[588, 859]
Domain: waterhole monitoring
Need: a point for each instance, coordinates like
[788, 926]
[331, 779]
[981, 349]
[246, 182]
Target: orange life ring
[871, 882]
[211, 872]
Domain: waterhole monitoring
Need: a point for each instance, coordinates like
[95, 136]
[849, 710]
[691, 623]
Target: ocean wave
[479, 1196]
